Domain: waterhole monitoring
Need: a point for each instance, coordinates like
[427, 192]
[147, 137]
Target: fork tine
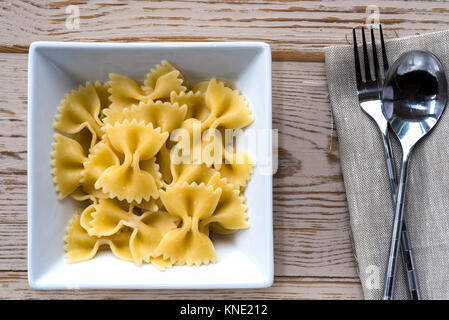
[375, 60]
[384, 52]
[365, 57]
[358, 74]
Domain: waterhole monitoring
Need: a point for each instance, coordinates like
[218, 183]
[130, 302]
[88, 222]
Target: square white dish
[245, 259]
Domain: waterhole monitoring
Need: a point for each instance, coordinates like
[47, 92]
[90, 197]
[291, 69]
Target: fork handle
[406, 248]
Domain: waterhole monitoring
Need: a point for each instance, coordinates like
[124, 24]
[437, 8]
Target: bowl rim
[36, 46]
[127, 45]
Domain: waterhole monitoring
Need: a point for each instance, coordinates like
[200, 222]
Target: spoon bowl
[414, 95]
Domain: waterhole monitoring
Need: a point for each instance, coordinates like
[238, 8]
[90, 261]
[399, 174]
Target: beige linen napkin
[367, 185]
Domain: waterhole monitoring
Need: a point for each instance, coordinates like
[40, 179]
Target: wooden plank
[310, 214]
[13, 285]
[297, 30]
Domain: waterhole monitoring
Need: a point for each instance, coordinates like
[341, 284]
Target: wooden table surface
[313, 255]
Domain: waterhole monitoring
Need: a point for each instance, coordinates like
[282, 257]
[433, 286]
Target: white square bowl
[245, 259]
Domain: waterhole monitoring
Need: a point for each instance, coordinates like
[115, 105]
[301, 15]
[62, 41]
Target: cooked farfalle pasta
[81, 109]
[67, 165]
[230, 213]
[101, 157]
[228, 108]
[195, 102]
[163, 80]
[148, 164]
[136, 142]
[167, 116]
[192, 204]
[80, 246]
[108, 217]
[159, 84]
[237, 168]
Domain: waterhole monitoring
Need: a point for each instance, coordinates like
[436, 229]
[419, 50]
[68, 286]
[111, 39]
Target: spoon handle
[397, 229]
[407, 256]
[406, 248]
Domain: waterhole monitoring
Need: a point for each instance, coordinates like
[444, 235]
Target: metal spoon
[415, 95]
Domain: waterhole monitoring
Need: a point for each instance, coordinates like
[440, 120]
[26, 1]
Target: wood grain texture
[297, 30]
[13, 285]
[313, 255]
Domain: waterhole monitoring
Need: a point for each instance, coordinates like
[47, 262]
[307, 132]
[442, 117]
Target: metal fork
[370, 99]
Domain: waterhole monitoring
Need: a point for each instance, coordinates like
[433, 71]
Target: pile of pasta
[113, 154]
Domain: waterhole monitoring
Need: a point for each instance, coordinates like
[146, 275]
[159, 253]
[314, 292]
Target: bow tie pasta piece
[195, 101]
[85, 136]
[80, 246]
[159, 83]
[237, 168]
[109, 216]
[230, 214]
[67, 165]
[124, 93]
[105, 217]
[228, 108]
[191, 204]
[165, 115]
[162, 80]
[136, 142]
[101, 157]
[145, 239]
[80, 109]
